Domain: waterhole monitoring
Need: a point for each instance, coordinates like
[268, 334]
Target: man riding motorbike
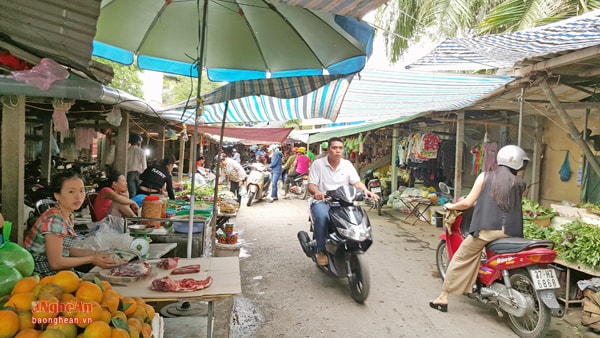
[328, 173]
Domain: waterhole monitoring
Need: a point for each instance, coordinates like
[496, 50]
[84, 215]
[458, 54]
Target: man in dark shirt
[155, 177]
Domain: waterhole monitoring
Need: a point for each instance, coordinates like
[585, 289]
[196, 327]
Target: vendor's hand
[135, 207]
[372, 195]
[449, 206]
[319, 195]
[103, 260]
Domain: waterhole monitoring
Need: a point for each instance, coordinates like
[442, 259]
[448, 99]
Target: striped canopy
[373, 95]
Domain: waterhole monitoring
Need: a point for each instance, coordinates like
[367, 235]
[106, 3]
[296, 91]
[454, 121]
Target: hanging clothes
[490, 149]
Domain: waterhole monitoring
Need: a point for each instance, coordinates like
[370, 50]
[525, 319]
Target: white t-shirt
[326, 178]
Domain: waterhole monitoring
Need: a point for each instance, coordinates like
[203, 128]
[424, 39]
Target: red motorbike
[515, 277]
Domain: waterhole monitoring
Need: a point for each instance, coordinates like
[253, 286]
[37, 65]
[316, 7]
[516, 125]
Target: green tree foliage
[407, 22]
[181, 88]
[126, 78]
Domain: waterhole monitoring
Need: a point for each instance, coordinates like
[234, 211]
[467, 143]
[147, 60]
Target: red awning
[247, 135]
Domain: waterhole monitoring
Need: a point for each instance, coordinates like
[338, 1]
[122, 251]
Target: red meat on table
[166, 284]
[192, 268]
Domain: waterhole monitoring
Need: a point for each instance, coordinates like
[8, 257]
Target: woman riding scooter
[497, 214]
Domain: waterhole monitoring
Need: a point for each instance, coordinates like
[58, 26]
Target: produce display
[63, 305]
[533, 210]
[576, 242]
[15, 263]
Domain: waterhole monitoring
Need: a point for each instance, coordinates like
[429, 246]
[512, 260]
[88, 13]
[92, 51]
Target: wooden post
[458, 160]
[395, 135]
[120, 163]
[13, 162]
[46, 159]
[536, 162]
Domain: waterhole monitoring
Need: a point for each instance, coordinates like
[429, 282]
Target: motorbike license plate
[544, 279]
[376, 189]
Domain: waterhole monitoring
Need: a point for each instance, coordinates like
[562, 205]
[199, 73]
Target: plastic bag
[114, 117]
[565, 169]
[43, 75]
[108, 234]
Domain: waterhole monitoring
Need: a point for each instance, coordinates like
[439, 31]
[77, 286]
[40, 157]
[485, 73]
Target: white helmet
[512, 156]
[273, 147]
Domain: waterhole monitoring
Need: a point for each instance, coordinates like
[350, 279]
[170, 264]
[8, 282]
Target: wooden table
[414, 205]
[225, 272]
[572, 266]
[158, 250]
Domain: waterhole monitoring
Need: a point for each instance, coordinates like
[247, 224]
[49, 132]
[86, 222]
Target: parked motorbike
[299, 186]
[515, 277]
[374, 185]
[258, 183]
[348, 239]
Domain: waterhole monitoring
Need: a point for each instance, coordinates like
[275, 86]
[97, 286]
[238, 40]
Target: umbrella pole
[199, 107]
[213, 221]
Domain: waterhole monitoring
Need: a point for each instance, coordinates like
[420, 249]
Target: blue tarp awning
[506, 50]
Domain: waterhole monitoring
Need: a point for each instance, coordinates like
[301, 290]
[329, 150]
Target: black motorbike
[374, 186]
[348, 239]
[299, 186]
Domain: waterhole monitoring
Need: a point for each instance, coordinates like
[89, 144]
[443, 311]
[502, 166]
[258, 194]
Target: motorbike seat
[516, 244]
[44, 204]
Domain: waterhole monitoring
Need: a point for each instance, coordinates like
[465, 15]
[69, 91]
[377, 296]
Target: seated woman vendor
[51, 239]
[114, 199]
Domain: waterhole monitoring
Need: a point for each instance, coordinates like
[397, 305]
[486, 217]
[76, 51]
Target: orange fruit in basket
[69, 330]
[10, 323]
[25, 284]
[97, 330]
[47, 279]
[105, 285]
[89, 311]
[21, 301]
[25, 320]
[46, 308]
[146, 330]
[50, 290]
[129, 306]
[89, 291]
[28, 333]
[150, 311]
[110, 302]
[118, 333]
[67, 280]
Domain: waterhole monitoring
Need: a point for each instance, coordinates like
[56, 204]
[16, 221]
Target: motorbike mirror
[444, 188]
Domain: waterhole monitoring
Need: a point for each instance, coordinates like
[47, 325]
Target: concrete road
[286, 295]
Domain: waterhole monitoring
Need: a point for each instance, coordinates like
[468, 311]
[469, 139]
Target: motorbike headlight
[354, 233]
[358, 203]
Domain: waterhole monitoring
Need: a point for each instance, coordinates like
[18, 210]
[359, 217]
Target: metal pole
[199, 107]
[521, 102]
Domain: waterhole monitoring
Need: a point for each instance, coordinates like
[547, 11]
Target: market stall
[575, 231]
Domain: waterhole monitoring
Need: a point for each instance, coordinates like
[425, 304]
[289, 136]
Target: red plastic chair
[90, 198]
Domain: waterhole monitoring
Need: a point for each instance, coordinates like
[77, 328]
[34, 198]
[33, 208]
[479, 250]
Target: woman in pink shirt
[114, 199]
[301, 164]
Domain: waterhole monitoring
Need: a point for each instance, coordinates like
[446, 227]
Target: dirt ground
[284, 294]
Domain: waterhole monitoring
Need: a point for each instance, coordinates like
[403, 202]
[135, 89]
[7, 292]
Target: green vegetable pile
[576, 242]
[532, 210]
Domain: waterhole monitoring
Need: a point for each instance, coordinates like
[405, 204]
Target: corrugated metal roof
[61, 30]
[507, 50]
[354, 8]
[373, 95]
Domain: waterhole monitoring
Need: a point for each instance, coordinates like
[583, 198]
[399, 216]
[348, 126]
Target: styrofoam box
[567, 211]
